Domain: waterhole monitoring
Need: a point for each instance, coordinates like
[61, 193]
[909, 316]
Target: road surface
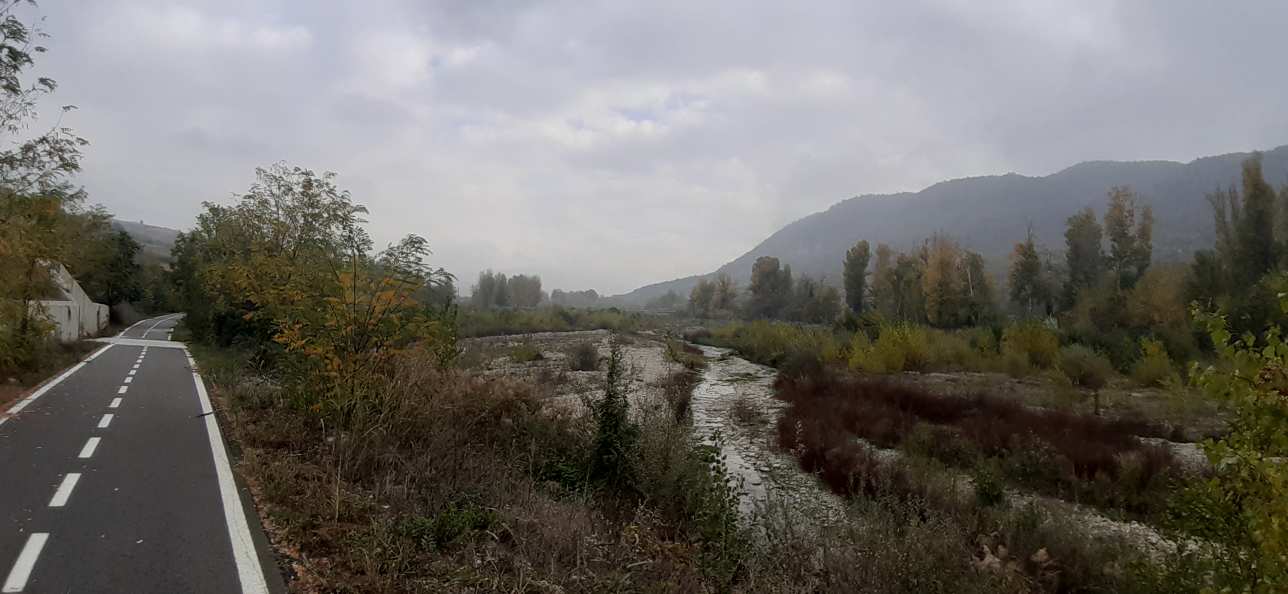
[114, 478]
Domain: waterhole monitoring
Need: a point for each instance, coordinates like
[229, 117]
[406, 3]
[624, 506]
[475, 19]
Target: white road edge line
[64, 491]
[122, 333]
[157, 323]
[106, 420]
[89, 448]
[25, 402]
[249, 571]
[116, 402]
[21, 572]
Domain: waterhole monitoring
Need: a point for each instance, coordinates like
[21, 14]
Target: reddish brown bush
[1078, 457]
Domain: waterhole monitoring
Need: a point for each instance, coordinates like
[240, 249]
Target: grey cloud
[608, 144]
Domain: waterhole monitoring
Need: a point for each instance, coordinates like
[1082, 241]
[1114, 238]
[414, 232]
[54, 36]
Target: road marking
[21, 572]
[25, 402]
[116, 402]
[132, 326]
[90, 446]
[158, 323]
[134, 371]
[249, 571]
[136, 367]
[122, 389]
[106, 420]
[128, 379]
[64, 491]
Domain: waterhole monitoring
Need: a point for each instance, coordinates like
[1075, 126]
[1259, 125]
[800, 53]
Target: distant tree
[1028, 292]
[670, 301]
[856, 276]
[942, 282]
[1206, 283]
[525, 290]
[1129, 242]
[702, 298]
[501, 296]
[118, 280]
[813, 302]
[1255, 249]
[483, 294]
[1083, 254]
[726, 293]
[882, 291]
[978, 304]
[771, 288]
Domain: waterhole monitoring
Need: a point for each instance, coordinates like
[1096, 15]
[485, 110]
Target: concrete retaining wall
[75, 316]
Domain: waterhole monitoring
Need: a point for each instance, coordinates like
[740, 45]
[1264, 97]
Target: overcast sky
[611, 144]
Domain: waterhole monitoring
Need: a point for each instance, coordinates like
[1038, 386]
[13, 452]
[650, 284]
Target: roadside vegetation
[46, 221]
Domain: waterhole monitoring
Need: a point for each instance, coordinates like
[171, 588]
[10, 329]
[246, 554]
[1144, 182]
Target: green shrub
[772, 343]
[1084, 367]
[1154, 367]
[525, 352]
[990, 491]
[900, 347]
[1038, 344]
[583, 356]
[451, 525]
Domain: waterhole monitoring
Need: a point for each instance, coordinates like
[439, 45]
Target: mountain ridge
[990, 213]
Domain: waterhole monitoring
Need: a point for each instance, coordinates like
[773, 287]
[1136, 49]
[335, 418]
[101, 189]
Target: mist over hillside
[989, 214]
[156, 241]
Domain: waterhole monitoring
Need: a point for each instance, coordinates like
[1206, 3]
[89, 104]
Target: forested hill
[156, 241]
[990, 214]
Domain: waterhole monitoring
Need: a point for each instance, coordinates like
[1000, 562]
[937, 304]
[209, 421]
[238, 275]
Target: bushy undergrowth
[493, 322]
[1077, 457]
[777, 344]
[454, 468]
[583, 356]
[1034, 343]
[1154, 368]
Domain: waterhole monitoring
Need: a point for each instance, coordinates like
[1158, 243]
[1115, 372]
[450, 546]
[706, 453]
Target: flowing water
[734, 409]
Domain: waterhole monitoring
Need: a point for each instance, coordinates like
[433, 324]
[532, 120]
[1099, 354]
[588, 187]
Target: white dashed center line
[136, 367]
[128, 379]
[122, 389]
[106, 420]
[133, 371]
[90, 446]
[64, 491]
[116, 402]
[21, 572]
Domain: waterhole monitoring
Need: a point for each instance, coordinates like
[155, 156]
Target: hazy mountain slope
[156, 241]
[990, 214]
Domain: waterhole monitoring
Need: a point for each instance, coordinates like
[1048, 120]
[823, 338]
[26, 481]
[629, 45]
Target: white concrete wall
[75, 316]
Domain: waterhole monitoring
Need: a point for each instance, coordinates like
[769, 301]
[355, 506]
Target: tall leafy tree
[771, 288]
[1083, 255]
[1255, 249]
[856, 276]
[118, 280]
[726, 293]
[702, 298]
[942, 282]
[1027, 289]
[1130, 246]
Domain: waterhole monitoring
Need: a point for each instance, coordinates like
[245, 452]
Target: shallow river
[734, 407]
